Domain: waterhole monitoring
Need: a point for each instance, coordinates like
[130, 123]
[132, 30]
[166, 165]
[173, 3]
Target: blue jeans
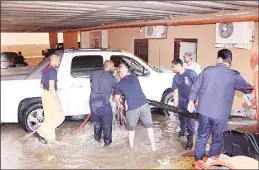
[206, 127]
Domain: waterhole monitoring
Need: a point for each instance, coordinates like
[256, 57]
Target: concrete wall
[30, 44]
[163, 50]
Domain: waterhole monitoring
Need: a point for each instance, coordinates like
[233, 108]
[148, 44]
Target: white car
[21, 93]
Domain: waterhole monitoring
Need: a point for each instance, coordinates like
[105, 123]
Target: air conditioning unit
[234, 33]
[155, 32]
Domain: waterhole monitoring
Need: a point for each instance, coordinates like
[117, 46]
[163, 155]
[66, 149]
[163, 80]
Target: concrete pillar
[104, 38]
[53, 39]
[85, 39]
[70, 40]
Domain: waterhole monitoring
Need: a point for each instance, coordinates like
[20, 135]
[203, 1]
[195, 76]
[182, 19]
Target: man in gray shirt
[215, 87]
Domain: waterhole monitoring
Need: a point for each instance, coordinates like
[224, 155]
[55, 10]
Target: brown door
[141, 49]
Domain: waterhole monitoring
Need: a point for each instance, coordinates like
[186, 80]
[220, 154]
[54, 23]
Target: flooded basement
[20, 149]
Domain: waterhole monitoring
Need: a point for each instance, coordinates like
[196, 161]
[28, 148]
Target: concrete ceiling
[48, 16]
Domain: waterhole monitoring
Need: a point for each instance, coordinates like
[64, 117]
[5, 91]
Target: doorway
[182, 46]
[141, 48]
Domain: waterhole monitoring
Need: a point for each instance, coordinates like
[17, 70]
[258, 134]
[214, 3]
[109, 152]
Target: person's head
[54, 60]
[19, 53]
[177, 65]
[108, 66]
[224, 56]
[123, 70]
[187, 57]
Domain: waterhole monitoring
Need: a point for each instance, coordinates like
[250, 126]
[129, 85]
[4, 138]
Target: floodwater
[20, 149]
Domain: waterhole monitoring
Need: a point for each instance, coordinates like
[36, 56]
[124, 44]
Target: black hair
[177, 61]
[19, 52]
[226, 55]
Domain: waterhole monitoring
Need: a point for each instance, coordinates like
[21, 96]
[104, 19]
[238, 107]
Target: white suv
[21, 94]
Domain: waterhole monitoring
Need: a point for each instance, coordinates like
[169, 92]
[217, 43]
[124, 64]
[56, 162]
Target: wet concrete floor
[20, 149]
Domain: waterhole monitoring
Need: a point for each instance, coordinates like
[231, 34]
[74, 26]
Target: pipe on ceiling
[199, 21]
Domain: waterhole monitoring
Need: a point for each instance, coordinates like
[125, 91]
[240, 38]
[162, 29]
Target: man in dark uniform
[215, 87]
[102, 83]
[19, 60]
[182, 83]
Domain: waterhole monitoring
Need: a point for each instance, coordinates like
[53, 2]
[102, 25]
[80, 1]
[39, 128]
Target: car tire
[31, 109]
[166, 97]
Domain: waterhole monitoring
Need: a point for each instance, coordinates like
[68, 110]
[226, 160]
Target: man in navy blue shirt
[215, 87]
[182, 82]
[102, 83]
[138, 107]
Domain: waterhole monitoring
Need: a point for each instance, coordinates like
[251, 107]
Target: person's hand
[191, 107]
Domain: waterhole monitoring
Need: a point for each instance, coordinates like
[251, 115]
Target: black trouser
[101, 112]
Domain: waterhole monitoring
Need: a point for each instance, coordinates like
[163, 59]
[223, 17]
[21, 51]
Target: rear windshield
[7, 56]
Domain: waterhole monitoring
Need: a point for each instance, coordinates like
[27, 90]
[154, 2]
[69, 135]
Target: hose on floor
[82, 125]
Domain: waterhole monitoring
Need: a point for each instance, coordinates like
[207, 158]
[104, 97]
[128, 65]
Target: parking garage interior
[32, 27]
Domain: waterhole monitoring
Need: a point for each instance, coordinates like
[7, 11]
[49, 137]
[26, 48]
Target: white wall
[104, 38]
[24, 38]
[85, 39]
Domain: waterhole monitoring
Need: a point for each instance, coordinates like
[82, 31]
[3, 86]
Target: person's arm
[175, 93]
[195, 89]
[117, 93]
[242, 85]
[53, 91]
[114, 85]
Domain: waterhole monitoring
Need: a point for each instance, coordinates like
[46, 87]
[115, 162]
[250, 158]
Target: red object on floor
[202, 163]
[82, 125]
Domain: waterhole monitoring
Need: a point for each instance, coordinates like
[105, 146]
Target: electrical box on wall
[234, 33]
[155, 32]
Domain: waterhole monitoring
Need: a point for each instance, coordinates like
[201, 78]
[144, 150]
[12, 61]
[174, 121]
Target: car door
[142, 71]
[76, 92]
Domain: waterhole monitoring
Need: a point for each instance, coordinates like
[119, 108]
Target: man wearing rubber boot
[138, 107]
[102, 83]
[53, 114]
[182, 82]
[215, 87]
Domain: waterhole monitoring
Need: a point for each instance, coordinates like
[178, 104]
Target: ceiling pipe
[212, 19]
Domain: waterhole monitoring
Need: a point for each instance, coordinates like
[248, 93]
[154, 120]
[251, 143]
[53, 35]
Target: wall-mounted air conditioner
[155, 32]
[234, 33]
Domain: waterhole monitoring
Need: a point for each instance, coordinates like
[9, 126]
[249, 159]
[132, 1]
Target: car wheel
[32, 117]
[167, 98]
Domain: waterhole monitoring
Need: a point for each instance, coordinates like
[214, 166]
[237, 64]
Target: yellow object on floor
[180, 162]
[52, 117]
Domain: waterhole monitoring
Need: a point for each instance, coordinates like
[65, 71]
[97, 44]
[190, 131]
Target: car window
[7, 56]
[36, 72]
[82, 66]
[134, 66]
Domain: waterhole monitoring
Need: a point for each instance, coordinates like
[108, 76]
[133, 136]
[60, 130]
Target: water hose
[164, 106]
[82, 125]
